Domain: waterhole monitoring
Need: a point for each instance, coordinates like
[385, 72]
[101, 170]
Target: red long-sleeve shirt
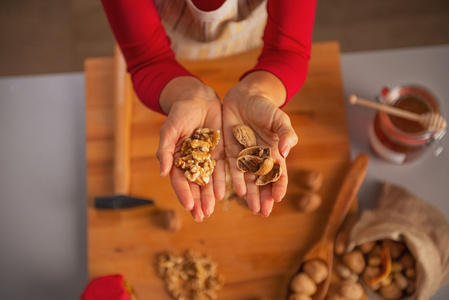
[151, 62]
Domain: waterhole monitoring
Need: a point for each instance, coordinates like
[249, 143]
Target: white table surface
[43, 187]
[364, 74]
[42, 166]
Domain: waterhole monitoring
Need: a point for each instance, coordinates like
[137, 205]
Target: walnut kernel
[189, 276]
[195, 156]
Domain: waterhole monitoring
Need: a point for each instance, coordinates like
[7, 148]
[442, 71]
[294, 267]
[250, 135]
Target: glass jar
[398, 140]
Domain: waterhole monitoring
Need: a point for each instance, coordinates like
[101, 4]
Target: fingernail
[285, 151]
[255, 213]
[208, 214]
[265, 216]
[198, 220]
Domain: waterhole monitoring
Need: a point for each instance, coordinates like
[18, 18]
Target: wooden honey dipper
[431, 121]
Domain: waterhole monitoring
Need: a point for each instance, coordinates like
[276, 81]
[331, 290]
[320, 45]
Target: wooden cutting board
[253, 253]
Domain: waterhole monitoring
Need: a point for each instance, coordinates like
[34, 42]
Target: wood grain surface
[253, 253]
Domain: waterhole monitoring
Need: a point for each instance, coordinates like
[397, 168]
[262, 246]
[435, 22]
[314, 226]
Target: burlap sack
[402, 216]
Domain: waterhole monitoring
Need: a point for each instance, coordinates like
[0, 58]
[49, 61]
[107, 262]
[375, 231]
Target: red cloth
[109, 287]
[151, 62]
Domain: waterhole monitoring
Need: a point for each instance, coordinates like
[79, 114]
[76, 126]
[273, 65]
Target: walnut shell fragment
[254, 164]
[385, 258]
[255, 159]
[244, 135]
[256, 151]
[265, 166]
[271, 176]
[249, 163]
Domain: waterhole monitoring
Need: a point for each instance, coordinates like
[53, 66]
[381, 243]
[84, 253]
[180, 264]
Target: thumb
[165, 151]
[283, 128]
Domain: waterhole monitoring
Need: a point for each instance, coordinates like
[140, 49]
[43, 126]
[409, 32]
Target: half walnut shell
[271, 176]
[257, 165]
[250, 163]
[265, 166]
[256, 151]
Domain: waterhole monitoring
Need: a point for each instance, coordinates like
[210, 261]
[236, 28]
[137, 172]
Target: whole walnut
[335, 296]
[407, 260]
[391, 292]
[297, 296]
[171, 221]
[351, 290]
[316, 269]
[303, 284]
[396, 248]
[368, 274]
[308, 202]
[244, 135]
[355, 261]
[367, 247]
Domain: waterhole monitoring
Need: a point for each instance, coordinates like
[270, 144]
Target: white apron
[235, 27]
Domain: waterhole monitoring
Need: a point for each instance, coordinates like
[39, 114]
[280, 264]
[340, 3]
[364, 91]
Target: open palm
[184, 118]
[273, 129]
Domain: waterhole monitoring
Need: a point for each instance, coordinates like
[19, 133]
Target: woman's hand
[191, 105]
[255, 102]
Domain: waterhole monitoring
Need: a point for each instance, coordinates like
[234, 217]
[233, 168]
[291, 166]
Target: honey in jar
[396, 139]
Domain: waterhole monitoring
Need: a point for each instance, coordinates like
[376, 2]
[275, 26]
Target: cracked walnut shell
[255, 159]
[271, 176]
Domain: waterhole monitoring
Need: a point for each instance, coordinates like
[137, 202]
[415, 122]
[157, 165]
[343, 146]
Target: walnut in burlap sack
[402, 216]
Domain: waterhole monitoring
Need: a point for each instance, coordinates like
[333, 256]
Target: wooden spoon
[323, 249]
[431, 121]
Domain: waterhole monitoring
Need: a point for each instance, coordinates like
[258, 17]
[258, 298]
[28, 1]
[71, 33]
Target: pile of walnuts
[189, 276]
[387, 267]
[196, 157]
[304, 284]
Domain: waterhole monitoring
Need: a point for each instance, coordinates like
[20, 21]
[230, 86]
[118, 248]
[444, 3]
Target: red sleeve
[151, 62]
[288, 42]
[139, 32]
